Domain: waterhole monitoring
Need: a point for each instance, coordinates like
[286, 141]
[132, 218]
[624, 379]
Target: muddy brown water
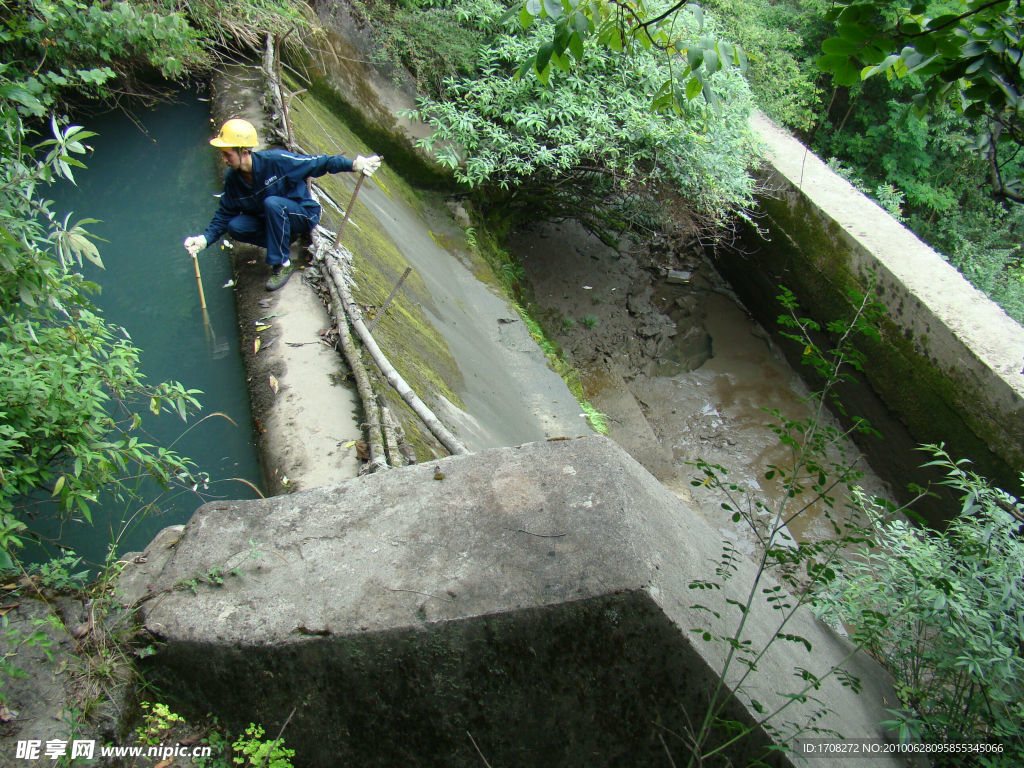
[681, 369]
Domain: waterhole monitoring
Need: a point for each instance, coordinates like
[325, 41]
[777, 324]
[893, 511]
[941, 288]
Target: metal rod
[387, 302]
[348, 210]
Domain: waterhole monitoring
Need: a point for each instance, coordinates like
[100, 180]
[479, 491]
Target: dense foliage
[967, 54]
[945, 613]
[74, 397]
[69, 424]
[432, 39]
[781, 40]
[673, 29]
[587, 143]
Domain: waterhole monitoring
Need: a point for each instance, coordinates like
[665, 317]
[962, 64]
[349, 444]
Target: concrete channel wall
[949, 360]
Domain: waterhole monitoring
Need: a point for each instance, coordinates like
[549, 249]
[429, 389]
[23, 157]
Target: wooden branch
[374, 433]
[328, 254]
[404, 446]
[392, 444]
[439, 430]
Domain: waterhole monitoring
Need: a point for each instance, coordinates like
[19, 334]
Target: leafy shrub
[254, 751]
[944, 611]
[431, 40]
[589, 135]
[781, 40]
[157, 722]
[70, 422]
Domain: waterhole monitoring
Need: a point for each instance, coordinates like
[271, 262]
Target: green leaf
[576, 45]
[741, 59]
[544, 56]
[974, 48]
[19, 94]
[581, 23]
[838, 46]
[694, 87]
[872, 54]
[854, 33]
[525, 67]
[711, 61]
[83, 246]
[711, 97]
[889, 62]
[843, 70]
[26, 296]
[553, 8]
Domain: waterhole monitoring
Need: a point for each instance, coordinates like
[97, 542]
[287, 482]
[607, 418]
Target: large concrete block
[534, 601]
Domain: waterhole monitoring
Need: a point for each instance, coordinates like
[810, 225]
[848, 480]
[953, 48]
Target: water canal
[150, 181]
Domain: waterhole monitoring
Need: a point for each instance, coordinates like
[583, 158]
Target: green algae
[415, 348]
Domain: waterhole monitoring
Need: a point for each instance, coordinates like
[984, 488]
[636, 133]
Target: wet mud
[677, 364]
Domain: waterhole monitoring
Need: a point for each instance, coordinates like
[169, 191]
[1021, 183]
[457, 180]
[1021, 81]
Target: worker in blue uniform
[266, 201]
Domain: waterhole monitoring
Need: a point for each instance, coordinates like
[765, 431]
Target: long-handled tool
[199, 282]
[351, 204]
[348, 210]
[211, 338]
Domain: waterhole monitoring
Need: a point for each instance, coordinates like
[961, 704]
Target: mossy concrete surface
[949, 360]
[460, 345]
[534, 601]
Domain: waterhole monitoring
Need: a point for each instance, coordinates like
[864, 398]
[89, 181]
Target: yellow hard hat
[236, 133]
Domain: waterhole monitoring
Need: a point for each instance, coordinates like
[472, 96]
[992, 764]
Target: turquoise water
[150, 180]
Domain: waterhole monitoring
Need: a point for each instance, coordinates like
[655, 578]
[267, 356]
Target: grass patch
[569, 375]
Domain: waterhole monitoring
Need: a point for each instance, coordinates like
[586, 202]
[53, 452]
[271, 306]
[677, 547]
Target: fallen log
[332, 261]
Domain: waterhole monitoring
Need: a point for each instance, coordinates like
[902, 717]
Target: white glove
[195, 244]
[367, 165]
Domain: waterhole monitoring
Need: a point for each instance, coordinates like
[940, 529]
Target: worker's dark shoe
[281, 273]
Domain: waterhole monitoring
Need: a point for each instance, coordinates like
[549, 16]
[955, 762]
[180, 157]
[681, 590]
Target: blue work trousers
[282, 223]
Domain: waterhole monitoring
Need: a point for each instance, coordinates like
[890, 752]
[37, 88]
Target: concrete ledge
[535, 597]
[951, 355]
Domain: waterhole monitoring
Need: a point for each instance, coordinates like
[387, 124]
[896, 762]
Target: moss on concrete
[385, 141]
[412, 344]
[810, 255]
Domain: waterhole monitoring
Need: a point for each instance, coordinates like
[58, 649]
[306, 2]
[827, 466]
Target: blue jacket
[275, 173]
